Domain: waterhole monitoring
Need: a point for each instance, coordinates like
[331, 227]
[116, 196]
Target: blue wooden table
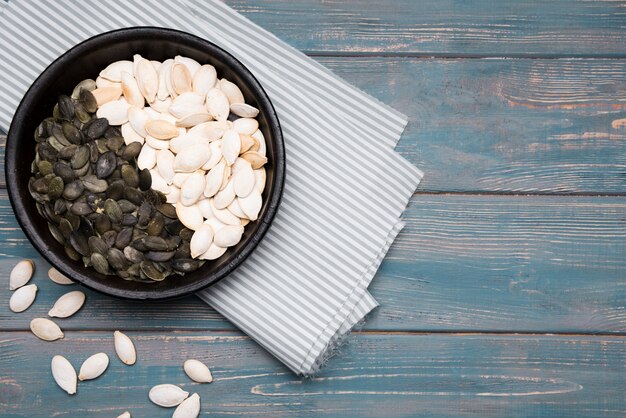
[505, 295]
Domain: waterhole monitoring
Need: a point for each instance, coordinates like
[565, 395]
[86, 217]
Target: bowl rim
[61, 263]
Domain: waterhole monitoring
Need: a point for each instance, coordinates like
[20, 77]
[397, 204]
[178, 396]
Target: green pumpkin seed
[131, 151]
[97, 128]
[100, 263]
[102, 224]
[66, 107]
[105, 165]
[44, 167]
[130, 175]
[133, 255]
[88, 101]
[113, 211]
[88, 85]
[80, 158]
[114, 143]
[55, 188]
[72, 134]
[97, 245]
[94, 184]
[116, 259]
[56, 233]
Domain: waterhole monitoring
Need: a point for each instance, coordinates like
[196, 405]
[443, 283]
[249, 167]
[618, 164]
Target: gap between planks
[620, 334]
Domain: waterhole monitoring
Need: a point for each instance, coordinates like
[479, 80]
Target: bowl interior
[85, 61]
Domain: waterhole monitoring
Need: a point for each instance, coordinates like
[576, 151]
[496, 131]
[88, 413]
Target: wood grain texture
[434, 27]
[504, 126]
[374, 376]
[462, 263]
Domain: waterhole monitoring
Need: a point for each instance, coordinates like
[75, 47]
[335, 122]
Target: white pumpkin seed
[255, 159]
[231, 91]
[204, 79]
[67, 305]
[214, 252]
[224, 215]
[245, 221]
[64, 374]
[147, 78]
[93, 367]
[212, 130]
[217, 104]
[244, 179]
[107, 94]
[58, 277]
[190, 216]
[167, 395]
[23, 297]
[213, 222]
[187, 103]
[258, 135]
[157, 144]
[227, 176]
[179, 179]
[205, 208]
[113, 72]
[138, 119]
[164, 79]
[193, 119]
[161, 105]
[251, 204]
[181, 78]
[156, 64]
[216, 155]
[192, 188]
[235, 209]
[165, 165]
[201, 240]
[146, 158]
[129, 134]
[214, 179]
[173, 195]
[197, 371]
[192, 158]
[183, 141]
[45, 329]
[124, 348]
[247, 143]
[131, 91]
[158, 182]
[244, 110]
[103, 83]
[231, 145]
[115, 111]
[126, 414]
[21, 274]
[228, 236]
[246, 126]
[161, 129]
[192, 65]
[189, 408]
[224, 197]
[259, 183]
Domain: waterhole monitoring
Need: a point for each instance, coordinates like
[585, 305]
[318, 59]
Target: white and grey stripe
[305, 286]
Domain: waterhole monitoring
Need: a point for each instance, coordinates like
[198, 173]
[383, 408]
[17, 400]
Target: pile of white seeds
[208, 166]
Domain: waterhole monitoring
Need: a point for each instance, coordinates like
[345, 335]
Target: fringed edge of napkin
[339, 327]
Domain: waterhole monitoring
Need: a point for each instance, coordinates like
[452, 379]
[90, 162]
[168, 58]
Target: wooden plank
[434, 27]
[375, 376]
[506, 126]
[462, 263]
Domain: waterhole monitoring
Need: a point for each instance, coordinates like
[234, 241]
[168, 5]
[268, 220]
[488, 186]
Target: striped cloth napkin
[305, 286]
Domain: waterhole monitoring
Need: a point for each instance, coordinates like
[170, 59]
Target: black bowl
[85, 60]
